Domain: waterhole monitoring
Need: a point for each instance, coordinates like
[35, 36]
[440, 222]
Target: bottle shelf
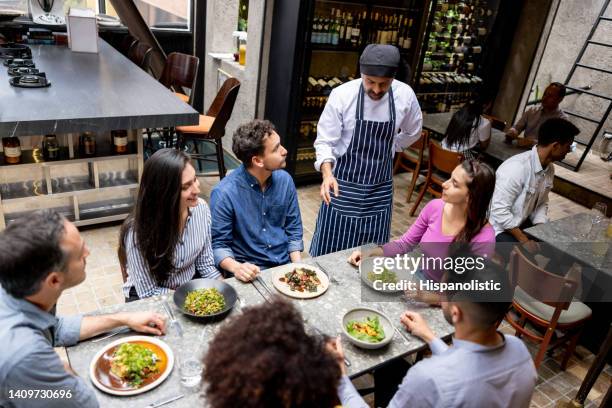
[334, 48]
[103, 152]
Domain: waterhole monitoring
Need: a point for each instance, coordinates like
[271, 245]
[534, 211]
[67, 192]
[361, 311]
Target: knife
[164, 402]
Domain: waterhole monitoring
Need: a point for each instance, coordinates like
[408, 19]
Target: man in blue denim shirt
[256, 221]
[41, 256]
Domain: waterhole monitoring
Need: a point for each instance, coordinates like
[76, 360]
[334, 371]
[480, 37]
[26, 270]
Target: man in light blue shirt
[41, 256]
[256, 222]
[483, 368]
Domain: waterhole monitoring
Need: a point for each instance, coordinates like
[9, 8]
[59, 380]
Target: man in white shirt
[523, 182]
[365, 121]
[533, 117]
[483, 367]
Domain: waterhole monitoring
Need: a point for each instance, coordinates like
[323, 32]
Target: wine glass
[598, 213]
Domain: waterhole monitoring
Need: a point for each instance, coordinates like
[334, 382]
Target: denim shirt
[255, 226]
[28, 361]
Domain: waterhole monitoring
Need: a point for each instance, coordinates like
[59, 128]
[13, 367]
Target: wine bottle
[348, 32]
[342, 27]
[356, 32]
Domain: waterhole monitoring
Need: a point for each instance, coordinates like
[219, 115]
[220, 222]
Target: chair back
[126, 44]
[443, 160]
[222, 106]
[546, 287]
[180, 71]
[496, 123]
[139, 54]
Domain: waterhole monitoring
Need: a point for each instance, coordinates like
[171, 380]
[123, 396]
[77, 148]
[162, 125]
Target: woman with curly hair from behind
[264, 358]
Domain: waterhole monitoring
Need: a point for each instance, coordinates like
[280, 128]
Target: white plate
[165, 348]
[282, 287]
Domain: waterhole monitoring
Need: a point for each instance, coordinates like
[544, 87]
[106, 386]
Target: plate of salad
[367, 328]
[131, 365]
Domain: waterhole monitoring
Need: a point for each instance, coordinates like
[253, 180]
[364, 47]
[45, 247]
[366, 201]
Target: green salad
[386, 276]
[134, 362]
[204, 302]
[369, 330]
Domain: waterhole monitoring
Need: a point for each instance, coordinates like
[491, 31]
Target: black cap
[379, 60]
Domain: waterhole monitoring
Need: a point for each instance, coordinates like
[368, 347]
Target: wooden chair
[413, 159]
[212, 125]
[127, 43]
[180, 72]
[139, 54]
[441, 163]
[545, 300]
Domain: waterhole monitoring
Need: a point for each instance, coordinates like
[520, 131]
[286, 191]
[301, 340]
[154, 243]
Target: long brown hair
[156, 217]
[480, 190]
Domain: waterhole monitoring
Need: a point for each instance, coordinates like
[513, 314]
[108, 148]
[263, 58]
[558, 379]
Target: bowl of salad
[367, 328]
[205, 299]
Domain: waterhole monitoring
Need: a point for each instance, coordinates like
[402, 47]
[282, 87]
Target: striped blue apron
[362, 212]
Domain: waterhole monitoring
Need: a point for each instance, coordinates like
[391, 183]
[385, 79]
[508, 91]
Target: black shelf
[333, 48]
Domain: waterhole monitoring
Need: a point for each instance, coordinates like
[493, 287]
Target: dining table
[322, 316]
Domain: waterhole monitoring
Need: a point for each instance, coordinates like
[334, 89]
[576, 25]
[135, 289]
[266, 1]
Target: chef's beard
[375, 96]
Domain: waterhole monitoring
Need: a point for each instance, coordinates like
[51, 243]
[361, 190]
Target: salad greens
[134, 362]
[386, 276]
[204, 302]
[369, 330]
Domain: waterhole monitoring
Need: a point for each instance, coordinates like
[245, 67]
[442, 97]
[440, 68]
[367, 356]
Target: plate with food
[367, 328]
[205, 299]
[300, 280]
[385, 277]
[131, 365]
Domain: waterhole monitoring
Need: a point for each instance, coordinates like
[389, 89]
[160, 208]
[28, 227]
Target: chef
[365, 121]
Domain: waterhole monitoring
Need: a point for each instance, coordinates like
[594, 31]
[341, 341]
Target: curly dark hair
[264, 358]
[249, 139]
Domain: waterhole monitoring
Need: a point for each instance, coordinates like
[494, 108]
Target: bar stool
[413, 159]
[180, 72]
[139, 54]
[441, 164]
[212, 126]
[126, 44]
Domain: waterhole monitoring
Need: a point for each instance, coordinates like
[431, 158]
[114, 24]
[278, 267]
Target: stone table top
[498, 149]
[565, 235]
[324, 312]
[88, 92]
[80, 356]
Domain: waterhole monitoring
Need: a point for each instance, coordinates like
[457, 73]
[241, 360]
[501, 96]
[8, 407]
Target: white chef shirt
[337, 122]
[521, 191]
[481, 134]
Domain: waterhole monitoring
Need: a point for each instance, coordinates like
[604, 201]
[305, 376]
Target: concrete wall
[569, 31]
[221, 21]
[533, 21]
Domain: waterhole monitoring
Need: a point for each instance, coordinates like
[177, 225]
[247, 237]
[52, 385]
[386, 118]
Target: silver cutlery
[325, 271]
[263, 283]
[164, 402]
[119, 330]
[406, 339]
[170, 313]
[347, 362]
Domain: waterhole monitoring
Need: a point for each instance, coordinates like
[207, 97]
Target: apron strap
[360, 99]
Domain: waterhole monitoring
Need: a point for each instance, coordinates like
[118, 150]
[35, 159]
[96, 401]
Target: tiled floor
[594, 173]
[102, 286]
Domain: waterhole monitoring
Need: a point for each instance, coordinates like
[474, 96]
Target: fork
[170, 313]
[112, 333]
[325, 271]
[263, 283]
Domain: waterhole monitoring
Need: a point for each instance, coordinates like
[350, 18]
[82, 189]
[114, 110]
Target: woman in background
[166, 241]
[468, 131]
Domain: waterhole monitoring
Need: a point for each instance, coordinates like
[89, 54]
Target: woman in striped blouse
[166, 240]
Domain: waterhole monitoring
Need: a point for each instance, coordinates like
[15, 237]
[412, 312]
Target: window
[160, 14]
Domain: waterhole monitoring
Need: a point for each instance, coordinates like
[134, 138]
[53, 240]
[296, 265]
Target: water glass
[190, 370]
[598, 212]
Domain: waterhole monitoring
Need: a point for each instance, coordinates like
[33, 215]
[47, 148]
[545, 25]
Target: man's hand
[355, 258]
[329, 183]
[416, 325]
[145, 322]
[334, 347]
[246, 272]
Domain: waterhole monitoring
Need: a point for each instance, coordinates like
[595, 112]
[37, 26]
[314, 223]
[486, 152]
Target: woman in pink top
[459, 217]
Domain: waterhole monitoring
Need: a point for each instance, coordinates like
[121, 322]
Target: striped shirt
[193, 255]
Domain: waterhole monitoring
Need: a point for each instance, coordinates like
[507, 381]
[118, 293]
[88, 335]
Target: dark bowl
[228, 292]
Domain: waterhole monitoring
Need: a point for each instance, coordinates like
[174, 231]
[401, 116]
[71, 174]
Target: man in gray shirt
[483, 367]
[533, 117]
[41, 256]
